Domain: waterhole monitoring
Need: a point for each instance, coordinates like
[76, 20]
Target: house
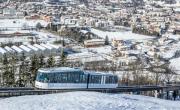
[9, 12]
[94, 43]
[117, 42]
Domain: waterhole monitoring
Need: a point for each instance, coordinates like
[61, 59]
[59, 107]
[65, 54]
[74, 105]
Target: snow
[39, 47]
[85, 57]
[2, 51]
[172, 50]
[15, 24]
[25, 48]
[17, 49]
[32, 47]
[87, 101]
[124, 35]
[174, 63]
[101, 50]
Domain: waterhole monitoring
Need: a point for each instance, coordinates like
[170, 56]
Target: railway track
[10, 92]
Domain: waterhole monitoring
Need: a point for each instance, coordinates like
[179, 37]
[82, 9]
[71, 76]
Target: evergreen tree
[7, 75]
[13, 62]
[41, 61]
[4, 69]
[25, 13]
[63, 43]
[63, 58]
[38, 26]
[22, 71]
[5, 60]
[34, 66]
[26, 74]
[106, 40]
[51, 61]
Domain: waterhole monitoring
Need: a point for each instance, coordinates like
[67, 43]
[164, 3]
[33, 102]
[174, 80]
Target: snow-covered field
[15, 24]
[125, 35]
[87, 101]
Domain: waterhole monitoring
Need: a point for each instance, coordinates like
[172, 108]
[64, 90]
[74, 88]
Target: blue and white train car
[72, 78]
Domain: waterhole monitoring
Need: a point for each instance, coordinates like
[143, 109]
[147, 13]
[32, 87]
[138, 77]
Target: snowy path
[87, 101]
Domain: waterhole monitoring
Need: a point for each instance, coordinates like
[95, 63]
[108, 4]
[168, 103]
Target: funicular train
[73, 78]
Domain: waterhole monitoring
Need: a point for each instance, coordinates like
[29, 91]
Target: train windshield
[42, 77]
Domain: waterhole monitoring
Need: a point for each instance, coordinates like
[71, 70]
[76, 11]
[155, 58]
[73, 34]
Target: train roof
[68, 69]
[59, 69]
[98, 73]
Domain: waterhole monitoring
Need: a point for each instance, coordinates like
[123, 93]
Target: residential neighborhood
[136, 40]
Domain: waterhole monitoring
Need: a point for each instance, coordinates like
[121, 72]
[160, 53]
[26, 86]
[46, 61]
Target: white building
[9, 50]
[27, 51]
[2, 52]
[17, 50]
[42, 49]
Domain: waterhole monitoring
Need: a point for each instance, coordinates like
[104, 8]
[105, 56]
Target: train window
[62, 77]
[75, 77]
[111, 79]
[108, 79]
[115, 79]
[83, 78]
[96, 79]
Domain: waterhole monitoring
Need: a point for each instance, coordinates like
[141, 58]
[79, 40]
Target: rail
[9, 92]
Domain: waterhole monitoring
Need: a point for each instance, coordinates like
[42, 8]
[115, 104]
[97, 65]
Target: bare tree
[169, 74]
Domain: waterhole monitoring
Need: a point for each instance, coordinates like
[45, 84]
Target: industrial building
[29, 50]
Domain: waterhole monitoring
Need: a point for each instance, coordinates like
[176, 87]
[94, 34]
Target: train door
[103, 79]
[88, 80]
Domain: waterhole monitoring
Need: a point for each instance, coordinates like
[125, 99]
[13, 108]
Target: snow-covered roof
[39, 47]
[84, 31]
[2, 51]
[54, 46]
[46, 46]
[95, 40]
[8, 49]
[17, 49]
[25, 48]
[32, 47]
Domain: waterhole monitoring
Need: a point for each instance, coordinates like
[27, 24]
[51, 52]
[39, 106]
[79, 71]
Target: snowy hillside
[87, 101]
[126, 35]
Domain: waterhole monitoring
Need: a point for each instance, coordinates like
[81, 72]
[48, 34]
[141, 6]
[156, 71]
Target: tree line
[21, 71]
[137, 73]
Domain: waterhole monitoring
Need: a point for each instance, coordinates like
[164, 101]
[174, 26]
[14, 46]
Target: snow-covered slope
[87, 101]
[126, 35]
